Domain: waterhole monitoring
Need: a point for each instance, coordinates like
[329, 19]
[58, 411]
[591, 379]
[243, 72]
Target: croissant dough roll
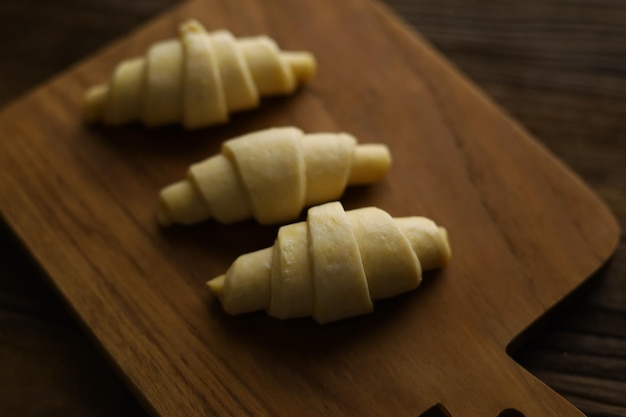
[197, 79]
[271, 175]
[333, 265]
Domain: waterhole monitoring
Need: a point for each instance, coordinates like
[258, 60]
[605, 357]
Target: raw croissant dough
[197, 79]
[333, 265]
[272, 175]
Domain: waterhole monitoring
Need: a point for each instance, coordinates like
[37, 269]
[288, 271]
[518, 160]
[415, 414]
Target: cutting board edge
[122, 39]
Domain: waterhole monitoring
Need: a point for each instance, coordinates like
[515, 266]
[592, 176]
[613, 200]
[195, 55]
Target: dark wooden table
[558, 66]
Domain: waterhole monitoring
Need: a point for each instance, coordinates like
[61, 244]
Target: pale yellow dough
[197, 79]
[271, 175]
[334, 265]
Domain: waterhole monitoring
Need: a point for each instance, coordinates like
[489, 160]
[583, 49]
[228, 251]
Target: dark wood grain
[559, 67]
[556, 67]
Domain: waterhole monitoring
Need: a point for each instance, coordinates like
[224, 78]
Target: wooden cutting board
[525, 231]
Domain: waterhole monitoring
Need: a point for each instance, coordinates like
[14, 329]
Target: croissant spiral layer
[334, 264]
[197, 79]
[271, 175]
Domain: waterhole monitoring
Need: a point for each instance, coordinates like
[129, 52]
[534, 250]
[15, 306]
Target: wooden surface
[578, 353]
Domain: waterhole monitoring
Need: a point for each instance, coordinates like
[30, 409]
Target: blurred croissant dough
[197, 79]
[333, 265]
[271, 175]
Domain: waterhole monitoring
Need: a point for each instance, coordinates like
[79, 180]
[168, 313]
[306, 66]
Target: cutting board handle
[513, 392]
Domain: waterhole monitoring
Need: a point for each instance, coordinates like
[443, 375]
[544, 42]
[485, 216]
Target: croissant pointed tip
[190, 26]
[370, 163]
[181, 202]
[446, 250]
[216, 285]
[302, 64]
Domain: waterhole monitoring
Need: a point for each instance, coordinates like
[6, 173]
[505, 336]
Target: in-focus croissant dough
[197, 79]
[333, 265]
[272, 175]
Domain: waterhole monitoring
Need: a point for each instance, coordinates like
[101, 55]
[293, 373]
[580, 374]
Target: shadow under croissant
[137, 139]
[291, 337]
[210, 239]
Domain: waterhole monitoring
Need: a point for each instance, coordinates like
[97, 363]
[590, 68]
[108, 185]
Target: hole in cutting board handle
[439, 410]
[510, 412]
